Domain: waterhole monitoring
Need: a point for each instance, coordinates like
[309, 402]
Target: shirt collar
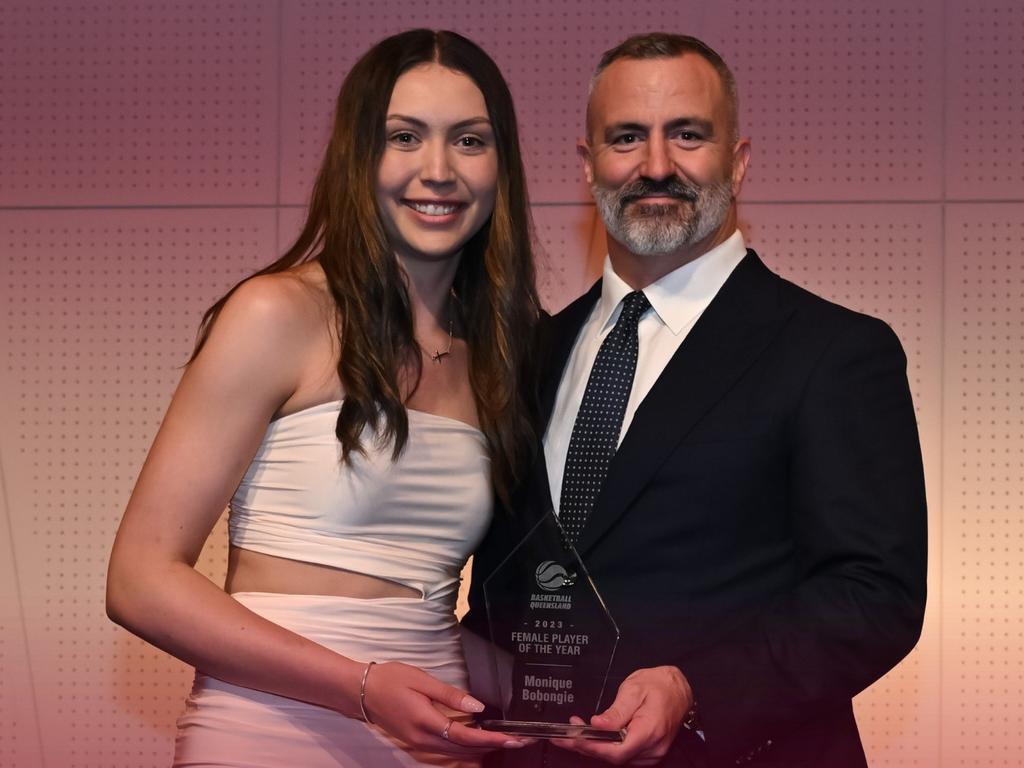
[682, 294]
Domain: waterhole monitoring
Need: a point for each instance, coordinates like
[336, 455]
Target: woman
[357, 402]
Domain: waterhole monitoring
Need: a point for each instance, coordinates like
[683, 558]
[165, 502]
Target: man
[759, 531]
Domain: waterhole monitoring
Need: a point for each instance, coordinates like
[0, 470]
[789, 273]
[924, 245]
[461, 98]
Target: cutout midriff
[250, 571]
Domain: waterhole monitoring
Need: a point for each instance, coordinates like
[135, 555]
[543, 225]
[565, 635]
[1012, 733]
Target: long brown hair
[494, 281]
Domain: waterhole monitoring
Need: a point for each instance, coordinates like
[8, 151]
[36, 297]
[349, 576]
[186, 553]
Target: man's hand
[650, 705]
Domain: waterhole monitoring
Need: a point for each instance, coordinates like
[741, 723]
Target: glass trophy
[555, 635]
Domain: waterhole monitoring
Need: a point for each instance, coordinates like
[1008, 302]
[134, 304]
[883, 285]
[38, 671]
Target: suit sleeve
[859, 522]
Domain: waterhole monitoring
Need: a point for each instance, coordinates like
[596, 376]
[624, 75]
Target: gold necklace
[438, 354]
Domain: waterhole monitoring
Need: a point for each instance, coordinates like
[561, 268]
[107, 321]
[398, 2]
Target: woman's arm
[255, 360]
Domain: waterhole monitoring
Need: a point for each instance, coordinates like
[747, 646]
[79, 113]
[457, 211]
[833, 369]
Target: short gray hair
[664, 45]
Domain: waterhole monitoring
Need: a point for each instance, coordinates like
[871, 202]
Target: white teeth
[432, 209]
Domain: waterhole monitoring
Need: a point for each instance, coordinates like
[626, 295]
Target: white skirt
[227, 725]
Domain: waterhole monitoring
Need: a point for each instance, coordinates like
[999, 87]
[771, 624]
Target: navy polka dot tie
[595, 434]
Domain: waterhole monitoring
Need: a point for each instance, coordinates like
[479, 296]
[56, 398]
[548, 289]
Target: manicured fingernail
[514, 744]
[469, 704]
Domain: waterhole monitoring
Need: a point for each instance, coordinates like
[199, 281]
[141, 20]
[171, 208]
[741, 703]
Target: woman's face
[439, 172]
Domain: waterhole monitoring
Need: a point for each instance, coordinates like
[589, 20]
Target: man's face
[660, 157]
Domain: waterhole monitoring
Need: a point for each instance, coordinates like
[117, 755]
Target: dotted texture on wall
[546, 51]
[289, 224]
[886, 262]
[138, 103]
[570, 249]
[843, 100]
[983, 553]
[985, 99]
[100, 312]
[20, 737]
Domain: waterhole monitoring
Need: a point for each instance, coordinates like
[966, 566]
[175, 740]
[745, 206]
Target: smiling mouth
[657, 199]
[433, 209]
[654, 205]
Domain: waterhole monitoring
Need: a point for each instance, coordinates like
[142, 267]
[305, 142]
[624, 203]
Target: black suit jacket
[762, 526]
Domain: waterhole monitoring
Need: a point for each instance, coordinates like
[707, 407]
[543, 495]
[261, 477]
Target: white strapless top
[413, 521]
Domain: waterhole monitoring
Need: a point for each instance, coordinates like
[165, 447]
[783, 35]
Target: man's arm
[860, 522]
[858, 514]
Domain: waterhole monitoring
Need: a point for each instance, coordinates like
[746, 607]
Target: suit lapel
[729, 336]
[562, 332]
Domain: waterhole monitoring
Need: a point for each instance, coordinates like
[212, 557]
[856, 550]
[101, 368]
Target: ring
[444, 733]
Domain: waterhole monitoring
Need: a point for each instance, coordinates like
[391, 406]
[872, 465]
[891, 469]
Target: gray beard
[658, 230]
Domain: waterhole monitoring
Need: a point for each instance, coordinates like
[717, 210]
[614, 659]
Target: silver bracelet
[362, 693]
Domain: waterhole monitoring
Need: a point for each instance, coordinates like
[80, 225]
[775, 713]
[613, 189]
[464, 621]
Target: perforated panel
[985, 109]
[885, 262]
[289, 224]
[983, 553]
[545, 50]
[570, 252]
[842, 100]
[138, 103]
[20, 741]
[100, 314]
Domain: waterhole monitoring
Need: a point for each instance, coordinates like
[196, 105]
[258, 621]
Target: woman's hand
[426, 714]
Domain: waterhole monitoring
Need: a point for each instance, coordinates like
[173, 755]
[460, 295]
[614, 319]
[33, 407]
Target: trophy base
[552, 730]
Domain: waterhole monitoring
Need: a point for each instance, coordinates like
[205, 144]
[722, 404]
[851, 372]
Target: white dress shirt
[677, 300]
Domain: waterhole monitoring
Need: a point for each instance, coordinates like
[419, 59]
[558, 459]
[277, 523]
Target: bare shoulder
[287, 303]
[272, 331]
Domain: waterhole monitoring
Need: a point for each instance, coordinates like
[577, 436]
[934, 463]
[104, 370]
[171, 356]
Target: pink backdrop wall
[153, 153]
